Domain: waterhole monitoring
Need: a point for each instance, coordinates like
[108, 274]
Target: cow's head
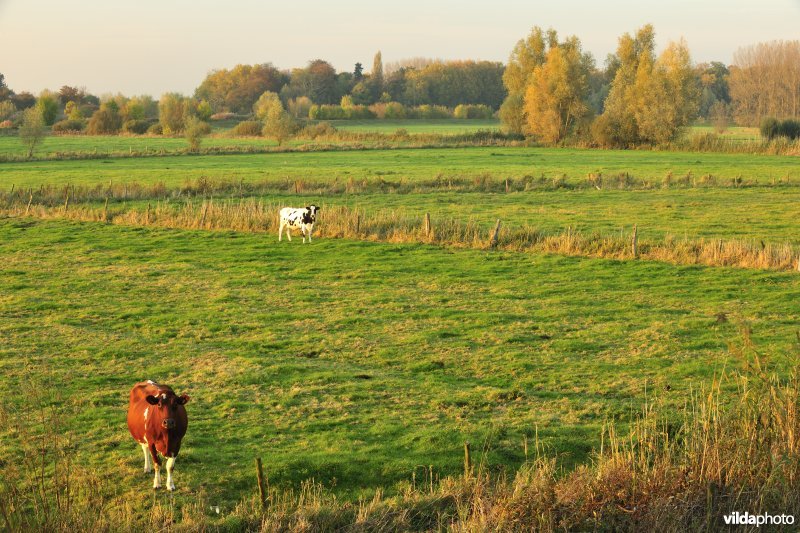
[310, 215]
[168, 403]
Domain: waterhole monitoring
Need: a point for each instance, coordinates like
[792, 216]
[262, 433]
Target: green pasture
[354, 363]
[409, 165]
[54, 144]
[767, 214]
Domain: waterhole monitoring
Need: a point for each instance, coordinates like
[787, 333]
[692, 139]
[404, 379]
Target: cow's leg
[310, 229]
[157, 466]
[170, 467]
[280, 232]
[303, 231]
[148, 465]
[289, 233]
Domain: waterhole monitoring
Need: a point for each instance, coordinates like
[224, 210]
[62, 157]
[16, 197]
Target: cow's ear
[182, 399]
[152, 400]
[316, 208]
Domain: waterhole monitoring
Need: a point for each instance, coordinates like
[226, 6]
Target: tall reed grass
[397, 225]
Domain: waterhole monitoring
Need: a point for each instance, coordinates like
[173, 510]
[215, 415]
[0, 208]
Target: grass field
[356, 363]
[362, 364]
[119, 144]
[407, 164]
[53, 144]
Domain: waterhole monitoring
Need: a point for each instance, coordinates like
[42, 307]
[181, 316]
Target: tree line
[550, 89]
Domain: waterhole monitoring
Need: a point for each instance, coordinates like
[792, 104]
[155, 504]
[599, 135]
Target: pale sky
[151, 47]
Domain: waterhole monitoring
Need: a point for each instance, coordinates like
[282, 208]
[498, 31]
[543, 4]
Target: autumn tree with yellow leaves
[556, 96]
[651, 98]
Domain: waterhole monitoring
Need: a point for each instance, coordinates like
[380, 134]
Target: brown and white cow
[157, 420]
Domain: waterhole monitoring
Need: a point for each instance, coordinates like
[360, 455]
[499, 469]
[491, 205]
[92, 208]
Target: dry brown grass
[254, 215]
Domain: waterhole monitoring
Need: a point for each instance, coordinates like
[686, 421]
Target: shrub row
[396, 110]
[772, 128]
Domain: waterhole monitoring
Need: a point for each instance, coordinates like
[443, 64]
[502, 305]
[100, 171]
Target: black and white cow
[301, 218]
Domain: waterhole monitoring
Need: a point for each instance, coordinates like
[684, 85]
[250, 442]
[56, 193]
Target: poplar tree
[556, 96]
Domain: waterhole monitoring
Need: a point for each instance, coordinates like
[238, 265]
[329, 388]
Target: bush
[247, 128]
[478, 111]
[430, 111]
[48, 105]
[321, 129]
[772, 127]
[68, 125]
[7, 109]
[769, 128]
[105, 121]
[136, 126]
[327, 112]
[789, 128]
[156, 129]
[395, 110]
[392, 110]
[194, 130]
[173, 111]
[299, 107]
[359, 112]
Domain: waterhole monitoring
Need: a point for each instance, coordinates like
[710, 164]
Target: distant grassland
[408, 164]
[53, 144]
[10, 144]
[356, 363]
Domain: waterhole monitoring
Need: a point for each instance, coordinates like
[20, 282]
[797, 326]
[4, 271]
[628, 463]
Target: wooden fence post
[262, 492]
[30, 201]
[635, 242]
[66, 202]
[147, 216]
[427, 225]
[495, 235]
[467, 460]
[203, 218]
[105, 211]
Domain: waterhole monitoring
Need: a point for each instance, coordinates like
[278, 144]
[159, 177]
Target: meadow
[356, 363]
[366, 363]
[566, 166]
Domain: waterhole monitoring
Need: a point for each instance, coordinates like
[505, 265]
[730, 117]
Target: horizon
[169, 56]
